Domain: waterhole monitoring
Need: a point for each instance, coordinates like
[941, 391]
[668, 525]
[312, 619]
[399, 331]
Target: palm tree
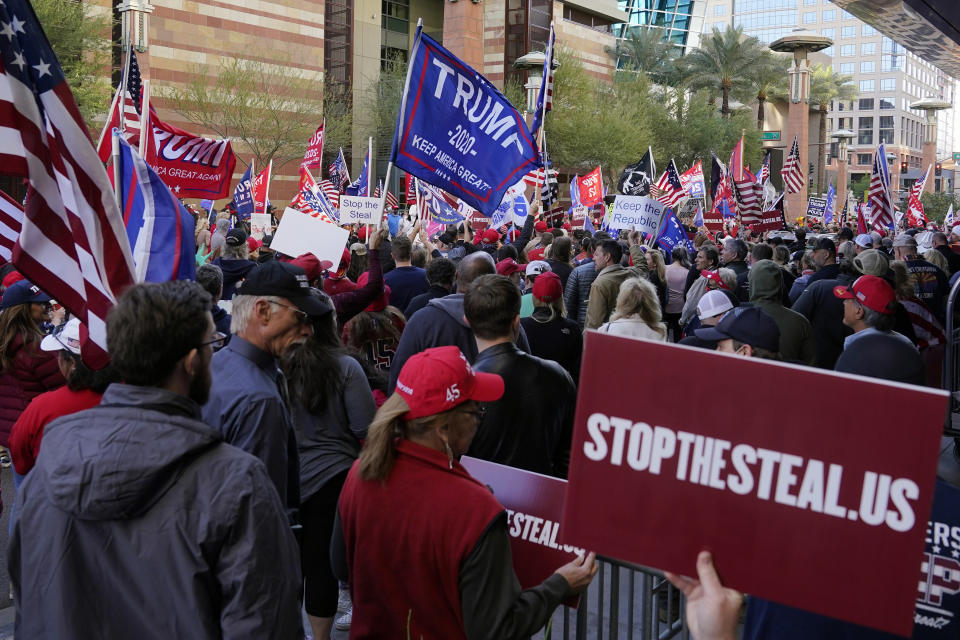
[644, 49]
[720, 64]
[769, 79]
[826, 86]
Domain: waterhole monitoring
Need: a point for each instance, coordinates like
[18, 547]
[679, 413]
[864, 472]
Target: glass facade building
[682, 21]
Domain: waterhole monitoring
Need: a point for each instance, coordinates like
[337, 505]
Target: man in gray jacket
[138, 521]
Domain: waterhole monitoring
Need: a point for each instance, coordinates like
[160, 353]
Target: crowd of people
[285, 433]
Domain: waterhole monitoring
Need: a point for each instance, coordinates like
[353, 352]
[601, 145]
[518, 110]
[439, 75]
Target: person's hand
[376, 238]
[580, 572]
[712, 609]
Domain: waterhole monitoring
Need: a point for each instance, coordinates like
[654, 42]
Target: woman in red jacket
[25, 370]
[425, 545]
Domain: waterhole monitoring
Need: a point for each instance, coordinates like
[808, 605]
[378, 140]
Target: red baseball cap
[253, 244]
[509, 266]
[872, 292]
[715, 276]
[540, 226]
[567, 226]
[490, 236]
[547, 287]
[12, 278]
[362, 233]
[439, 379]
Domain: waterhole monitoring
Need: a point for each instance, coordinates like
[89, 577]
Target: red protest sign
[590, 188]
[313, 157]
[533, 503]
[816, 500]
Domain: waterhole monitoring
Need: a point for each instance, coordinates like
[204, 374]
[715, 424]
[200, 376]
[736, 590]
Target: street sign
[956, 157]
[770, 135]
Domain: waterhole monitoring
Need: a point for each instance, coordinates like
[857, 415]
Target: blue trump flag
[159, 227]
[438, 207]
[672, 234]
[243, 194]
[457, 132]
[828, 210]
[359, 187]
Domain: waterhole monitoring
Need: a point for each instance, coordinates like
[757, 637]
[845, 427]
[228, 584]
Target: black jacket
[953, 258]
[530, 427]
[420, 301]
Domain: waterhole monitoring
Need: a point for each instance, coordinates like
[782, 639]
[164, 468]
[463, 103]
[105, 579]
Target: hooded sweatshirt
[138, 521]
[441, 323]
[218, 241]
[796, 334]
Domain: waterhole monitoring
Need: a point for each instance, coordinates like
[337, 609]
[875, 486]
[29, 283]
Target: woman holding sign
[423, 544]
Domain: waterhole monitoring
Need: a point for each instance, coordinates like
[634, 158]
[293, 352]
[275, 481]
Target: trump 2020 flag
[456, 131]
[590, 188]
[243, 194]
[159, 227]
[672, 234]
[828, 209]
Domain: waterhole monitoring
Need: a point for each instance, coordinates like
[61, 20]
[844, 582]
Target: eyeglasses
[302, 316]
[217, 342]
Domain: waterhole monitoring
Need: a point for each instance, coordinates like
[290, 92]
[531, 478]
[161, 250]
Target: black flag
[637, 178]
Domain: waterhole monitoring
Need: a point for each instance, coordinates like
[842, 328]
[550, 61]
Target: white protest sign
[260, 225]
[359, 209]
[299, 233]
[637, 212]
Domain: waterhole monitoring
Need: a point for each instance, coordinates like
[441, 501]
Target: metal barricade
[624, 601]
[951, 362]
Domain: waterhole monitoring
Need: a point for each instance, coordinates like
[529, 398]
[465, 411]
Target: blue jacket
[246, 407]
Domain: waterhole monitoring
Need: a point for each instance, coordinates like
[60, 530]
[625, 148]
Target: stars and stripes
[879, 198]
[539, 176]
[391, 200]
[792, 172]
[749, 196]
[669, 189]
[73, 243]
[125, 110]
[339, 174]
[545, 96]
[915, 214]
[330, 190]
[11, 220]
[764, 174]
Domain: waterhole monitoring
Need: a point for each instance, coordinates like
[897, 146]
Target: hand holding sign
[579, 573]
[712, 609]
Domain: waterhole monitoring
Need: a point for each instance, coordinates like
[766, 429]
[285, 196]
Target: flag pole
[370, 176]
[145, 126]
[383, 195]
[115, 145]
[106, 125]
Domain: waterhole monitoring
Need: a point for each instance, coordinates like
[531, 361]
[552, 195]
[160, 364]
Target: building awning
[606, 9]
[928, 28]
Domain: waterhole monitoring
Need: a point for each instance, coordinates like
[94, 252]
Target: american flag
[545, 96]
[792, 172]
[126, 109]
[73, 243]
[339, 174]
[764, 170]
[669, 189]
[11, 219]
[392, 201]
[749, 196]
[879, 198]
[915, 213]
[331, 191]
[538, 176]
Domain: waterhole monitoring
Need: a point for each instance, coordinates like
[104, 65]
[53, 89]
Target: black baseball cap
[749, 325]
[287, 281]
[236, 237]
[826, 244]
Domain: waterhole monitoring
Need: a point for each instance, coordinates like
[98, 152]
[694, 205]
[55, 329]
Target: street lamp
[799, 42]
[843, 138]
[930, 106]
[532, 63]
[134, 23]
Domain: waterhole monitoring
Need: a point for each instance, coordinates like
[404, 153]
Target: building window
[867, 31]
[829, 33]
[720, 10]
[338, 41]
[809, 2]
[887, 103]
[891, 62]
[848, 32]
[868, 66]
[866, 86]
[848, 50]
[586, 19]
[888, 84]
[829, 15]
[868, 48]
[845, 68]
[864, 158]
[809, 17]
[886, 129]
[866, 104]
[865, 130]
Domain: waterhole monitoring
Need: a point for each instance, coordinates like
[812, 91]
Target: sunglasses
[302, 316]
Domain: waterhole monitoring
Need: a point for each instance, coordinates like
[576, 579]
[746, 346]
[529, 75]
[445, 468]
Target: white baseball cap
[65, 337]
[713, 303]
[956, 230]
[865, 240]
[537, 267]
